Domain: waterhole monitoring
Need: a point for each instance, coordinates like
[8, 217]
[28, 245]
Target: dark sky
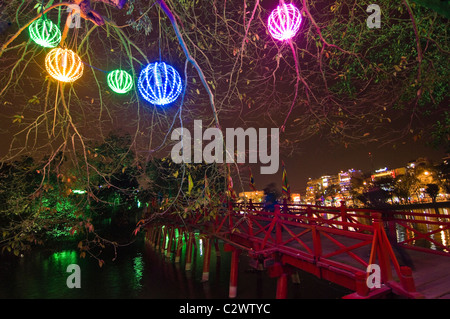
[317, 159]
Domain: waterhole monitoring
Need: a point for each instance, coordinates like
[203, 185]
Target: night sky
[317, 158]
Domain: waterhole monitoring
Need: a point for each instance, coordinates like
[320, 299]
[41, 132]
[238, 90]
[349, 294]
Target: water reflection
[436, 236]
[141, 272]
[138, 264]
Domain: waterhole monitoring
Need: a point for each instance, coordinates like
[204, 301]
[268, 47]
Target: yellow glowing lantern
[64, 65]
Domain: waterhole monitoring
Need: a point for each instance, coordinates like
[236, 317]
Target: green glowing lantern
[120, 81]
[45, 33]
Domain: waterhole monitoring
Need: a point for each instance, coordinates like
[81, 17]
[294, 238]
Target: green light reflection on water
[138, 265]
[65, 257]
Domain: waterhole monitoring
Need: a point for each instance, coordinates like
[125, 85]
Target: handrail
[410, 221]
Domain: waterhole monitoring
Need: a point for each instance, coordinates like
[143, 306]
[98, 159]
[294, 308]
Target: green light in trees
[78, 191]
[45, 33]
[120, 81]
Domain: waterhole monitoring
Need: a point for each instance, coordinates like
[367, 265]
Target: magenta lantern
[284, 22]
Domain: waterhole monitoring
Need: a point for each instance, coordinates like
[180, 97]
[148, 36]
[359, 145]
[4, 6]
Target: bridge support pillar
[216, 246]
[234, 270]
[158, 238]
[163, 242]
[206, 258]
[179, 246]
[189, 251]
[171, 233]
[282, 272]
[282, 286]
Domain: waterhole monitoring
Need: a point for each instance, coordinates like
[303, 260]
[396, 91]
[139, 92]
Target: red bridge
[334, 244]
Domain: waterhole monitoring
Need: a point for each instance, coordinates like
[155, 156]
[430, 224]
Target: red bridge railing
[336, 244]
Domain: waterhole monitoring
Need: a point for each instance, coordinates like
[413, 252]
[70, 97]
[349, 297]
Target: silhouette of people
[271, 195]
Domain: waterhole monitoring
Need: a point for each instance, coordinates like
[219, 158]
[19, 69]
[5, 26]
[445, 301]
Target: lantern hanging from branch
[159, 83]
[64, 65]
[45, 33]
[120, 81]
[284, 22]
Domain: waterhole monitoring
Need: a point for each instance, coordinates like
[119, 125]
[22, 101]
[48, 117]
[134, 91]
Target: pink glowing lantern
[284, 22]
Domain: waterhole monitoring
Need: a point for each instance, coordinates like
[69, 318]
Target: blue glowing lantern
[159, 83]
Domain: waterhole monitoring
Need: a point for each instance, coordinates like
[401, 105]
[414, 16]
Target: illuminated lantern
[64, 65]
[45, 33]
[120, 81]
[159, 83]
[284, 22]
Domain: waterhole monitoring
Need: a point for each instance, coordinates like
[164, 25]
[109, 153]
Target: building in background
[296, 198]
[402, 185]
[351, 183]
[255, 196]
[381, 173]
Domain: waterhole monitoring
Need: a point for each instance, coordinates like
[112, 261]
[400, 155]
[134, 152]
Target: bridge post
[250, 204]
[189, 251]
[164, 240]
[153, 235]
[234, 269]
[317, 244]
[282, 286]
[406, 279]
[278, 229]
[382, 248]
[179, 246]
[281, 272]
[148, 233]
[171, 233]
[216, 245]
[206, 259]
[158, 238]
[344, 217]
[361, 285]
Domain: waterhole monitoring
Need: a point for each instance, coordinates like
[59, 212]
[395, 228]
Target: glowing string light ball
[64, 65]
[120, 81]
[159, 83]
[284, 22]
[45, 33]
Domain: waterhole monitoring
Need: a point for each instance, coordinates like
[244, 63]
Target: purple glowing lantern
[284, 22]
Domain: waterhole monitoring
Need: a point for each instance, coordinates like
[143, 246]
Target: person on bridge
[271, 195]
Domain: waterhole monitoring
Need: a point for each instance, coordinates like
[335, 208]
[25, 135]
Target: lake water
[141, 272]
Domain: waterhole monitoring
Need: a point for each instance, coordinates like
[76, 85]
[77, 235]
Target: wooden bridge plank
[431, 274]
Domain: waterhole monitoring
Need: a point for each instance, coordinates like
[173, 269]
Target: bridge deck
[431, 274]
